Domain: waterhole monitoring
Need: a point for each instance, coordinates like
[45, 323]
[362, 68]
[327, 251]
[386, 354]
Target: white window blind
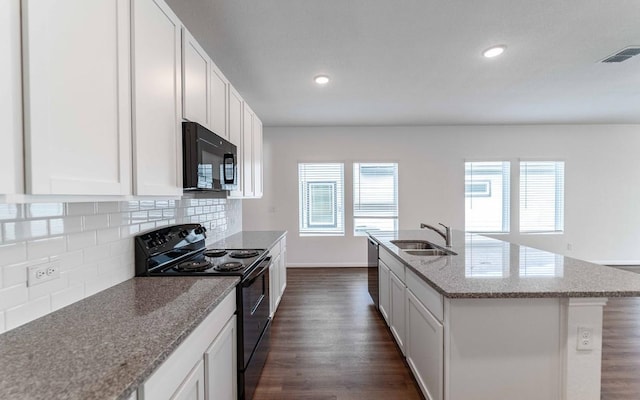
[375, 197]
[487, 196]
[321, 199]
[541, 196]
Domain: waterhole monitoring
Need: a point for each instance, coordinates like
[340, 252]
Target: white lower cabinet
[384, 302]
[221, 365]
[277, 274]
[397, 293]
[424, 348]
[203, 364]
[192, 388]
[414, 311]
[283, 266]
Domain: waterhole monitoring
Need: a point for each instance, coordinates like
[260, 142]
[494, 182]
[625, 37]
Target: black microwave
[209, 161]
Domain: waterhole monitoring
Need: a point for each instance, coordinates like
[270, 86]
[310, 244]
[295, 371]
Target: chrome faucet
[446, 235]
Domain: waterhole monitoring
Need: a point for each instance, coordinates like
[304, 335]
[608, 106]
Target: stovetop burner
[244, 253]
[215, 252]
[193, 266]
[230, 266]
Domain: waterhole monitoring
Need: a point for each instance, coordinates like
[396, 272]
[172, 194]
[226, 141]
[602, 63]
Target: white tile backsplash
[45, 247]
[26, 312]
[82, 240]
[67, 296]
[81, 208]
[60, 226]
[14, 295]
[13, 253]
[93, 243]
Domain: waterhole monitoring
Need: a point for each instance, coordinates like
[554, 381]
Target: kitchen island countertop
[105, 346]
[490, 268]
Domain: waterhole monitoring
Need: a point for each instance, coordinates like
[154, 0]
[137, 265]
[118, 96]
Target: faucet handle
[446, 227]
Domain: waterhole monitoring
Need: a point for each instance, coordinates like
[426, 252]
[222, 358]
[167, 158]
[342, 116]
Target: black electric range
[180, 251]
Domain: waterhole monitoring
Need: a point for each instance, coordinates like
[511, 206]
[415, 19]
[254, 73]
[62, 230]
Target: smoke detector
[623, 55]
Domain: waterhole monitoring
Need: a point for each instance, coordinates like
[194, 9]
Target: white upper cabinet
[257, 157]
[11, 178]
[247, 151]
[157, 95]
[235, 135]
[245, 131]
[77, 96]
[219, 103]
[196, 72]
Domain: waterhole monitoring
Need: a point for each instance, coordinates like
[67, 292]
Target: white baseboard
[325, 265]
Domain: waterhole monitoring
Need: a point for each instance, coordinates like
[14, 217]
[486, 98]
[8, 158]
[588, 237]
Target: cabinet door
[192, 388]
[11, 160]
[219, 103]
[273, 288]
[425, 348]
[196, 72]
[283, 271]
[384, 272]
[220, 365]
[257, 157]
[247, 151]
[77, 96]
[157, 99]
[397, 309]
[235, 136]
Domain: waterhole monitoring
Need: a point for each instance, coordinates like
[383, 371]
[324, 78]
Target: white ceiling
[419, 62]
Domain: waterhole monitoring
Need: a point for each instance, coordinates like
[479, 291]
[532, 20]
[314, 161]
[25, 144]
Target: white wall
[602, 182]
[93, 243]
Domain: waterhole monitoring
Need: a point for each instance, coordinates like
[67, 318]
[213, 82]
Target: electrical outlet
[43, 273]
[585, 338]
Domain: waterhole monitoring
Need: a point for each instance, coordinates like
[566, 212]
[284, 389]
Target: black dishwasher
[372, 268]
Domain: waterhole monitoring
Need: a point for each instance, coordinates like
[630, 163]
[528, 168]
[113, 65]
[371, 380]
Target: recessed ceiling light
[321, 79]
[494, 51]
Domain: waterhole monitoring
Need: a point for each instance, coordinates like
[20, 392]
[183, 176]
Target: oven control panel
[158, 246]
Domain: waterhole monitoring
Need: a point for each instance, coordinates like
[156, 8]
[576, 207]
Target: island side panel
[503, 349]
[582, 367]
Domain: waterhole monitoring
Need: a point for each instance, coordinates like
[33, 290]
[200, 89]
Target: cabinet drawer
[427, 295]
[393, 263]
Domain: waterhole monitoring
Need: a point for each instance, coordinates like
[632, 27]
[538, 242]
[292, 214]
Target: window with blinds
[321, 199]
[541, 196]
[487, 196]
[375, 197]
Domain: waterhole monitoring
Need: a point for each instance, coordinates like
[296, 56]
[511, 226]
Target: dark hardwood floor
[621, 349]
[328, 342]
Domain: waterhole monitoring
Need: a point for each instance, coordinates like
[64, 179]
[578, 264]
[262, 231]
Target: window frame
[396, 173]
[306, 176]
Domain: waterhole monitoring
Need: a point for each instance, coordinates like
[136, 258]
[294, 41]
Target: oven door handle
[257, 272]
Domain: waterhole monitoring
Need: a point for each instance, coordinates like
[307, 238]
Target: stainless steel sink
[422, 248]
[413, 244]
[430, 252]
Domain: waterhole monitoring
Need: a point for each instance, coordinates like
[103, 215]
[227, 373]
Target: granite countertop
[492, 268]
[105, 346]
[249, 240]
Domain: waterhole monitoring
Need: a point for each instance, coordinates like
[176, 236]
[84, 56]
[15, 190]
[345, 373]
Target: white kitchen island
[497, 320]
